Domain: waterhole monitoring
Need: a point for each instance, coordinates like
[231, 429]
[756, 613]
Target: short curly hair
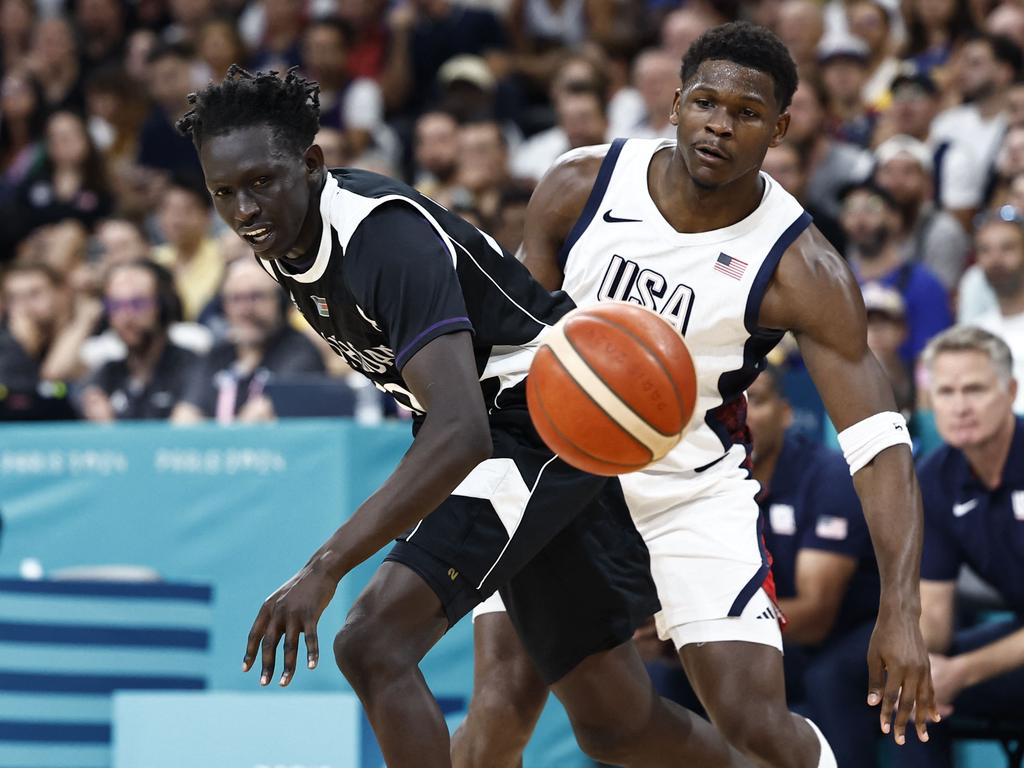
[289, 105]
[748, 45]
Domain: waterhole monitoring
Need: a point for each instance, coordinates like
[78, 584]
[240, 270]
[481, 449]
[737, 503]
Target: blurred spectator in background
[928, 235]
[191, 255]
[334, 146]
[70, 183]
[973, 493]
[219, 46]
[119, 241]
[1006, 19]
[186, 20]
[353, 106]
[280, 42]
[871, 221]
[655, 78]
[510, 222]
[22, 121]
[54, 62]
[169, 78]
[367, 55]
[37, 336]
[869, 20]
[482, 165]
[17, 19]
[887, 333]
[681, 27]
[935, 28]
[843, 68]
[826, 577]
[149, 381]
[999, 248]
[1008, 166]
[800, 24]
[101, 28]
[830, 165]
[958, 180]
[785, 164]
[114, 114]
[228, 384]
[435, 151]
[989, 65]
[438, 31]
[582, 121]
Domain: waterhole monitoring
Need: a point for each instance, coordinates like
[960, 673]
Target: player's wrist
[900, 602]
[328, 564]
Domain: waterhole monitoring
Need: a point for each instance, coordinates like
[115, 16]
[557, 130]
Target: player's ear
[313, 158]
[673, 116]
[781, 126]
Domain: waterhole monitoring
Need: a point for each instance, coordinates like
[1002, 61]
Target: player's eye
[703, 103]
[262, 181]
[748, 113]
[221, 192]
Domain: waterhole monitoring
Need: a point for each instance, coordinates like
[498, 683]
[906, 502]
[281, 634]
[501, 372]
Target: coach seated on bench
[973, 493]
[229, 383]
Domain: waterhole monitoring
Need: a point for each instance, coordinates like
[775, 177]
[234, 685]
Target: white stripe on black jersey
[395, 270]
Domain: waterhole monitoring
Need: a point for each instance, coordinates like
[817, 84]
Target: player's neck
[988, 459]
[309, 236]
[691, 208]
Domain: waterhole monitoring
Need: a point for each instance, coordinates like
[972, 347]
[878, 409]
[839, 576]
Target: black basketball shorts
[558, 544]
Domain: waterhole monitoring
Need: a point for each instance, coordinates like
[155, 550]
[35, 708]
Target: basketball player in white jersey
[695, 231]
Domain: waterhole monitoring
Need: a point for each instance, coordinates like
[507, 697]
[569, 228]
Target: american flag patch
[730, 265]
[321, 306]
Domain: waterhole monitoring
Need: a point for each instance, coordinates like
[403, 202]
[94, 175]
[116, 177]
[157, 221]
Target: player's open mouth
[257, 235]
[710, 153]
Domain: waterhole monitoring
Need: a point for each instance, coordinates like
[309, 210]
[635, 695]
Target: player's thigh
[586, 591]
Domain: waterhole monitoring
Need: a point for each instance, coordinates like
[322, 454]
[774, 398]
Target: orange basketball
[611, 388]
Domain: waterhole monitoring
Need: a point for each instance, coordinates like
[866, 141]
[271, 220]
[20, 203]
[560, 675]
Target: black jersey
[395, 270]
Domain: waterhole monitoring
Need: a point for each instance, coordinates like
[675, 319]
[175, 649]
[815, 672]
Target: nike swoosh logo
[615, 219]
[959, 510]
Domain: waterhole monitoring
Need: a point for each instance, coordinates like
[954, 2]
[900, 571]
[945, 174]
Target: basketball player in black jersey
[433, 311]
[736, 84]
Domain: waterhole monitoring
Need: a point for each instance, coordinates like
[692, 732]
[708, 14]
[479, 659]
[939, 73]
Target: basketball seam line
[539, 403]
[576, 364]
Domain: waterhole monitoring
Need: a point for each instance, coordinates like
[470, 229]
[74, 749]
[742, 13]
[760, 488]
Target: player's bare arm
[814, 295]
[556, 205]
[454, 438]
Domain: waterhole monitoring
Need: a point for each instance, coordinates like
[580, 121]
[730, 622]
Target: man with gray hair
[973, 493]
[929, 235]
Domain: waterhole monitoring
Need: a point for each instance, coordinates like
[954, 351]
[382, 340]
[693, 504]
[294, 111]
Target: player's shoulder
[576, 169]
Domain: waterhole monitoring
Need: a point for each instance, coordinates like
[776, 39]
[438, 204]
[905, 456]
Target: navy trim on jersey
[758, 579]
[429, 334]
[764, 275]
[604, 175]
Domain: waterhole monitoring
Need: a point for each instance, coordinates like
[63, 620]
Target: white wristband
[862, 441]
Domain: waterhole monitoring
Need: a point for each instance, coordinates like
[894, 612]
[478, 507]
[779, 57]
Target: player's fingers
[291, 651]
[255, 635]
[890, 698]
[876, 679]
[908, 696]
[925, 711]
[312, 644]
[270, 639]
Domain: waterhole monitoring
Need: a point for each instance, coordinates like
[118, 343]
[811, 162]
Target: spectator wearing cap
[972, 490]
[228, 384]
[929, 235]
[151, 378]
[958, 180]
[990, 64]
[870, 21]
[843, 67]
[887, 333]
[999, 249]
[871, 221]
[830, 165]
[189, 253]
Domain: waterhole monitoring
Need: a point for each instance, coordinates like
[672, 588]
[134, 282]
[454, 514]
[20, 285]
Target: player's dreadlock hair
[748, 45]
[289, 105]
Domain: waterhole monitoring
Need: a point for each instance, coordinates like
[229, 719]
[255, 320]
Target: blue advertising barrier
[238, 508]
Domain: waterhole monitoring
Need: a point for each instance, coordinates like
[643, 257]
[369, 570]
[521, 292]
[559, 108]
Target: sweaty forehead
[242, 152]
[736, 80]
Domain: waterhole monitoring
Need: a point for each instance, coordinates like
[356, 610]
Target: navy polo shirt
[965, 522]
[811, 504]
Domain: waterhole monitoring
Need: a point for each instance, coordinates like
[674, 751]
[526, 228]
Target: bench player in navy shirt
[826, 576]
[973, 490]
[434, 312]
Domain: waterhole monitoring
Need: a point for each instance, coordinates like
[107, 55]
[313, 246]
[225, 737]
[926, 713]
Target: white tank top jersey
[709, 285]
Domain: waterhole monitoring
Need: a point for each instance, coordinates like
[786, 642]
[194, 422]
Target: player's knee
[764, 738]
[607, 742]
[363, 657]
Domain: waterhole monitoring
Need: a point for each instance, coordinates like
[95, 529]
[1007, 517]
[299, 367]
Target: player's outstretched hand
[294, 609]
[899, 676]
